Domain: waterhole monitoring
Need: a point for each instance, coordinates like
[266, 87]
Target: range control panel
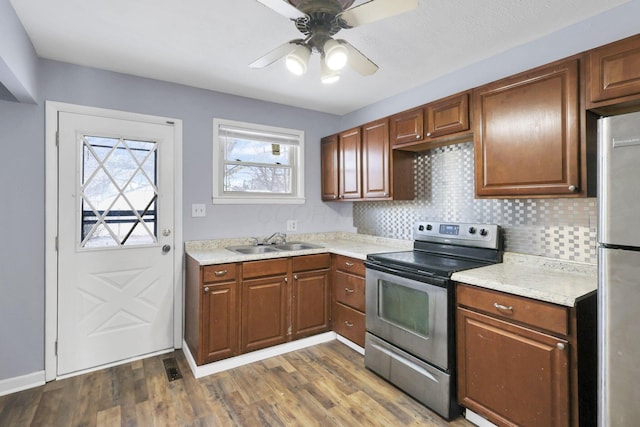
[467, 234]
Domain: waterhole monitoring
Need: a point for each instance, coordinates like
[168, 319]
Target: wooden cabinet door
[447, 116]
[264, 312]
[510, 374]
[614, 71]
[310, 303]
[376, 161]
[350, 164]
[329, 157]
[407, 127]
[220, 322]
[527, 134]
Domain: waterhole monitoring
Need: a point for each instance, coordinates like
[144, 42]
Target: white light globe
[336, 55]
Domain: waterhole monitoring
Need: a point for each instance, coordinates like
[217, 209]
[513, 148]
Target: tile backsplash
[444, 177]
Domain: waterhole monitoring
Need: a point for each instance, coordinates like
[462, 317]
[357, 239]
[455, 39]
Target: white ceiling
[208, 43]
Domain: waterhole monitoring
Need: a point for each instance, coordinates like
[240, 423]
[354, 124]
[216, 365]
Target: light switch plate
[198, 210]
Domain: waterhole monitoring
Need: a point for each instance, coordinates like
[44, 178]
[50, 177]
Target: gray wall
[23, 182]
[22, 162]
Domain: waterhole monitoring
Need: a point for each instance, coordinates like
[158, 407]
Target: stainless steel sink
[297, 246]
[249, 249]
[264, 249]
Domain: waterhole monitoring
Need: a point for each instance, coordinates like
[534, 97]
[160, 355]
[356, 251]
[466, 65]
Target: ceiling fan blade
[356, 60]
[284, 8]
[277, 53]
[375, 10]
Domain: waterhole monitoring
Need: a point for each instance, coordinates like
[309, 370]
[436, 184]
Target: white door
[115, 240]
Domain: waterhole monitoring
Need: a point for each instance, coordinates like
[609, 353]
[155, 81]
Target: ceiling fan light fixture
[298, 60]
[336, 55]
[327, 75]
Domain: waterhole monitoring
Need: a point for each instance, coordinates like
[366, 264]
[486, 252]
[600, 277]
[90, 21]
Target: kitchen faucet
[275, 237]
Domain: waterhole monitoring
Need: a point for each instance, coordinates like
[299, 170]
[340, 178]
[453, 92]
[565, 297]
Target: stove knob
[429, 227]
[483, 232]
[472, 230]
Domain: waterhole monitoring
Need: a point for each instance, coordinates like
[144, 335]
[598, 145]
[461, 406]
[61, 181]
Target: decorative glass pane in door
[119, 192]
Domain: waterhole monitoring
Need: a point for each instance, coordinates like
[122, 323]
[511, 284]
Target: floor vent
[171, 368]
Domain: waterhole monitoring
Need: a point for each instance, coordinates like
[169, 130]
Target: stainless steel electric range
[410, 302]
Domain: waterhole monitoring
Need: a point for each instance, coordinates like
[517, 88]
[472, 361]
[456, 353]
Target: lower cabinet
[349, 298]
[236, 308]
[265, 293]
[520, 360]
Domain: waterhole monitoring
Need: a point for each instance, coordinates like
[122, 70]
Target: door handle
[166, 249]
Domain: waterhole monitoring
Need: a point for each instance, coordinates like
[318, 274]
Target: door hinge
[57, 138]
[289, 330]
[55, 348]
[56, 243]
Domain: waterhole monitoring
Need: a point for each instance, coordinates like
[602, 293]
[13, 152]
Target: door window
[119, 192]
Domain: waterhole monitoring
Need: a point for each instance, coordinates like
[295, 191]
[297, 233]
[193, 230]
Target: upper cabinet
[527, 134]
[358, 164]
[330, 167]
[613, 76]
[431, 125]
[350, 161]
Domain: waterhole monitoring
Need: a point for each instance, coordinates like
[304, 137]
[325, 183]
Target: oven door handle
[419, 275]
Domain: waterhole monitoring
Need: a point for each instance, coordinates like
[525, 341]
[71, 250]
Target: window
[257, 164]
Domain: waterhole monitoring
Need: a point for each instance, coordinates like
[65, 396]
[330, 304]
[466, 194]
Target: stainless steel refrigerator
[619, 270]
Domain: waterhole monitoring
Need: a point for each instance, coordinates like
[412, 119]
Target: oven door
[408, 314]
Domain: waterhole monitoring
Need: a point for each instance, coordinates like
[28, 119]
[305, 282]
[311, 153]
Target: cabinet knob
[286, 280]
[560, 346]
[572, 187]
[206, 289]
[429, 134]
[418, 137]
[295, 277]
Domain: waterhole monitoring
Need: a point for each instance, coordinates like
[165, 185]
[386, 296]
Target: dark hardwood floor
[324, 385]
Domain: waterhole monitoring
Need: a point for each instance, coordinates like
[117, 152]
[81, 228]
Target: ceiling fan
[319, 21]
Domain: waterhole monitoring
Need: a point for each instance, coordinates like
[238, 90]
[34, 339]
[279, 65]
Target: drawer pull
[349, 291]
[220, 273]
[348, 324]
[349, 264]
[503, 308]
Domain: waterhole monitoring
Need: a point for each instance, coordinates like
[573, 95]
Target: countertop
[543, 279]
[353, 245]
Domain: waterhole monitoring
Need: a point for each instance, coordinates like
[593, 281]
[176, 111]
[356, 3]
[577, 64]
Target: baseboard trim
[350, 344]
[254, 356]
[15, 384]
[476, 419]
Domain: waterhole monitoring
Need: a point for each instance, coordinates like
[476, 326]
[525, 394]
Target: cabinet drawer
[219, 273]
[349, 323]
[350, 265]
[537, 314]
[268, 267]
[311, 262]
[349, 290]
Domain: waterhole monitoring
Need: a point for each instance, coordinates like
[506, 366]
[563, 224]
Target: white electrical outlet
[198, 210]
[292, 225]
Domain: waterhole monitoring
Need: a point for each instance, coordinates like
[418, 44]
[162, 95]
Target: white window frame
[219, 196]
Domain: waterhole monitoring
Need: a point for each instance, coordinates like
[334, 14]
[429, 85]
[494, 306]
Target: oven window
[405, 307]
